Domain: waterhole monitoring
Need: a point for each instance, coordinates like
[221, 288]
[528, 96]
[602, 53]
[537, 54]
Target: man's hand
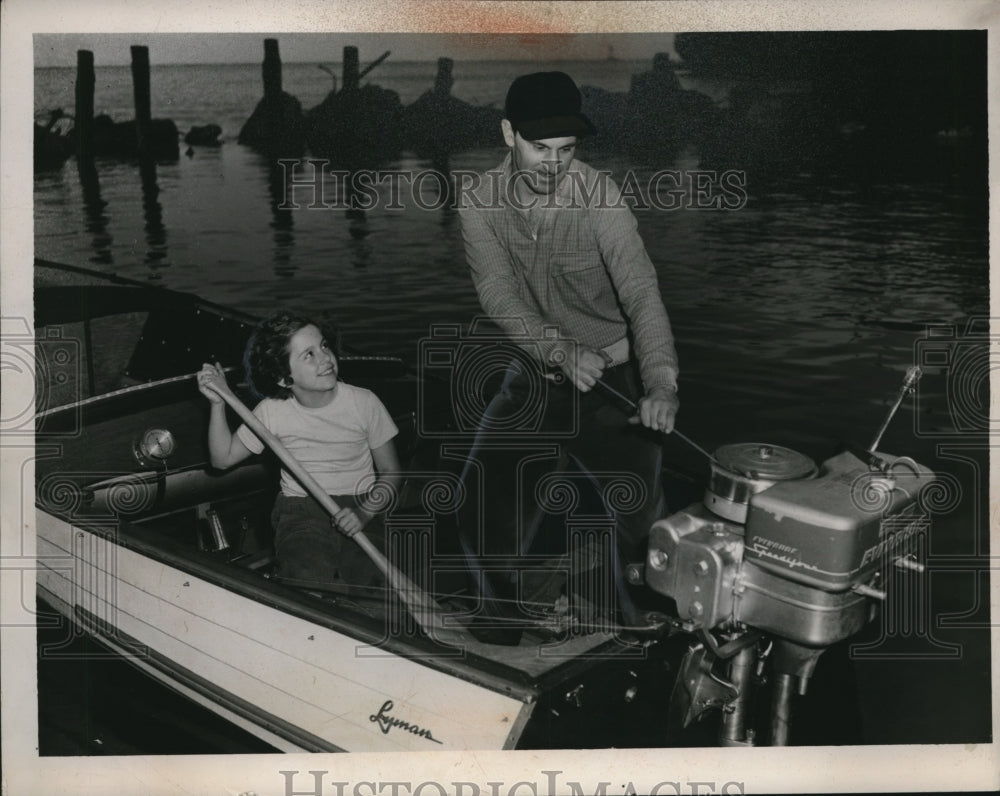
[657, 410]
[583, 366]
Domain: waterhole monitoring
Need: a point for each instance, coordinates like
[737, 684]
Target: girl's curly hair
[265, 360]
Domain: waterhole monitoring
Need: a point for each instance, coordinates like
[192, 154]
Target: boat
[167, 562]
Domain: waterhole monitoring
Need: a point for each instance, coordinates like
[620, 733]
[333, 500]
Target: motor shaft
[734, 731]
[781, 708]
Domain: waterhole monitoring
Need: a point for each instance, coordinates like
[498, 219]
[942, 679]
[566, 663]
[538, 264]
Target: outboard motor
[782, 559]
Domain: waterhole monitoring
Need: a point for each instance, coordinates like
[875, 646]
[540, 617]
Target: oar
[424, 610]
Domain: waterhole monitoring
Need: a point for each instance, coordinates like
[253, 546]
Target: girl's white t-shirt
[333, 443]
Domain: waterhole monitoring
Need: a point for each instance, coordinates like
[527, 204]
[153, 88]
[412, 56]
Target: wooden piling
[350, 77]
[140, 85]
[444, 80]
[271, 70]
[84, 113]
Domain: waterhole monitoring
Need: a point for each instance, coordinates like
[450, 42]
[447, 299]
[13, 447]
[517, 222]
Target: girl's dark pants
[311, 551]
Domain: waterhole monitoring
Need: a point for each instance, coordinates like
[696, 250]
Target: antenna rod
[912, 375]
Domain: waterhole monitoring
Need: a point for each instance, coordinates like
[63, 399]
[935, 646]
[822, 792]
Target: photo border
[803, 770]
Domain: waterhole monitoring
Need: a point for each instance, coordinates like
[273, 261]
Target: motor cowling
[808, 558]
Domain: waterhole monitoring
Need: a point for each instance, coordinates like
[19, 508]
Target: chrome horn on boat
[155, 446]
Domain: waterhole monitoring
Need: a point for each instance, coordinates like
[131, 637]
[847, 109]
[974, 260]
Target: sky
[207, 48]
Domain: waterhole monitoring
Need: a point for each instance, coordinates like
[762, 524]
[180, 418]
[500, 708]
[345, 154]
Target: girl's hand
[212, 382]
[349, 521]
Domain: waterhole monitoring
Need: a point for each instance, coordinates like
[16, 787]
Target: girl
[341, 434]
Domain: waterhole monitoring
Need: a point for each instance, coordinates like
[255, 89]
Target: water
[795, 316]
[848, 253]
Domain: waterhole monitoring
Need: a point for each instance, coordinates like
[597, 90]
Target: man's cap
[546, 105]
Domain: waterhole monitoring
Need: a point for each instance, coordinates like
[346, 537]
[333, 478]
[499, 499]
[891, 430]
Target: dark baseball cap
[546, 105]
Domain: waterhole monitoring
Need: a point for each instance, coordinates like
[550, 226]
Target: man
[559, 266]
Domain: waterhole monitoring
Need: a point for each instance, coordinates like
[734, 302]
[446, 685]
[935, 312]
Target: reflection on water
[811, 280]
[834, 253]
[94, 210]
[282, 222]
[152, 211]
